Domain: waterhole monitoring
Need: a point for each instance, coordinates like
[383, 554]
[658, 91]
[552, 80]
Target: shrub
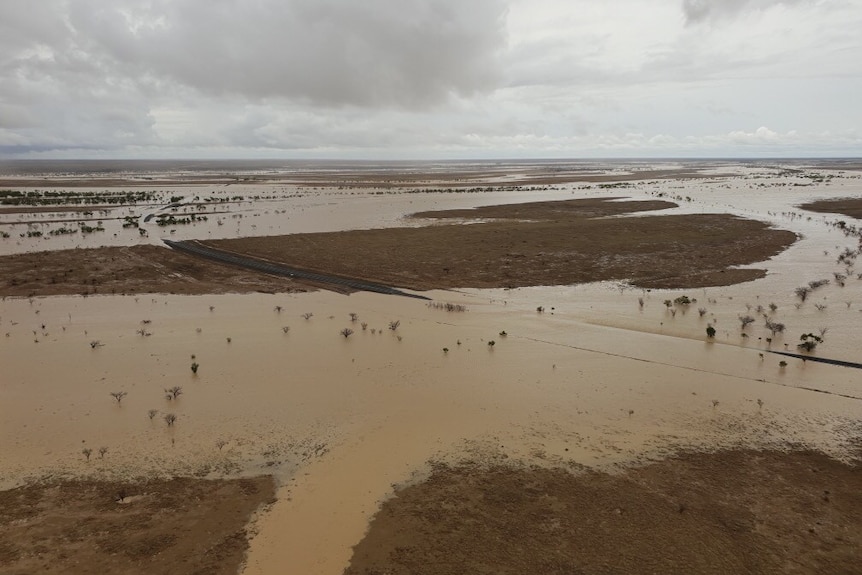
[809, 341]
[710, 331]
[119, 395]
[775, 327]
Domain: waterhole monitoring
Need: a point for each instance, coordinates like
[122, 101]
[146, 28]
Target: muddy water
[595, 379]
[341, 420]
[280, 208]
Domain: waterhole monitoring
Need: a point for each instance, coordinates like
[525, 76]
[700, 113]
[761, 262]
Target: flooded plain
[601, 375]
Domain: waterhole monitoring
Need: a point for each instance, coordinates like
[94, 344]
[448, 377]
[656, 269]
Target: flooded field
[602, 374]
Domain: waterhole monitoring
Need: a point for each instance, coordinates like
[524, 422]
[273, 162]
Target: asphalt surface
[195, 248]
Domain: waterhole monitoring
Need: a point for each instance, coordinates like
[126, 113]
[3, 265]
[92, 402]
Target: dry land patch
[725, 512]
[154, 526]
[851, 207]
[541, 243]
[127, 270]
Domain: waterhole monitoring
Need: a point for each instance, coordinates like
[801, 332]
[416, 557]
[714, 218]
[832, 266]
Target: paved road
[194, 248]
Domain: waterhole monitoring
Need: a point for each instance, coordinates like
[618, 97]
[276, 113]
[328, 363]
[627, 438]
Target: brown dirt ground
[851, 207]
[742, 512]
[176, 526]
[541, 243]
[127, 270]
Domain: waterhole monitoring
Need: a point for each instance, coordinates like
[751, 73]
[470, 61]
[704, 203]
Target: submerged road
[840, 362]
[195, 248]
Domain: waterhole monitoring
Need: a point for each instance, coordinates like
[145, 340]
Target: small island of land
[538, 243]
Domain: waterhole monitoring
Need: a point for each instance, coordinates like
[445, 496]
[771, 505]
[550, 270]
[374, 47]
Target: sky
[430, 79]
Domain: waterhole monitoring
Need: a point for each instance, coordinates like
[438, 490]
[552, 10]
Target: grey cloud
[408, 53]
[703, 10]
[90, 73]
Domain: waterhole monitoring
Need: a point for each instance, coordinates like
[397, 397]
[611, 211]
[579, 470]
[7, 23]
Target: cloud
[405, 53]
[406, 78]
[704, 10]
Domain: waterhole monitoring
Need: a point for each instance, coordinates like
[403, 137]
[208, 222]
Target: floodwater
[594, 379]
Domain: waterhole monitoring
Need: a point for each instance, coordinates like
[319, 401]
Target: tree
[170, 418]
[195, 367]
[809, 342]
[102, 452]
[87, 452]
[175, 391]
[119, 395]
[746, 320]
[152, 413]
[710, 331]
[775, 327]
[346, 332]
[393, 325]
[802, 292]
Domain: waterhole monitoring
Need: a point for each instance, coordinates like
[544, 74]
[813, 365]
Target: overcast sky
[414, 79]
